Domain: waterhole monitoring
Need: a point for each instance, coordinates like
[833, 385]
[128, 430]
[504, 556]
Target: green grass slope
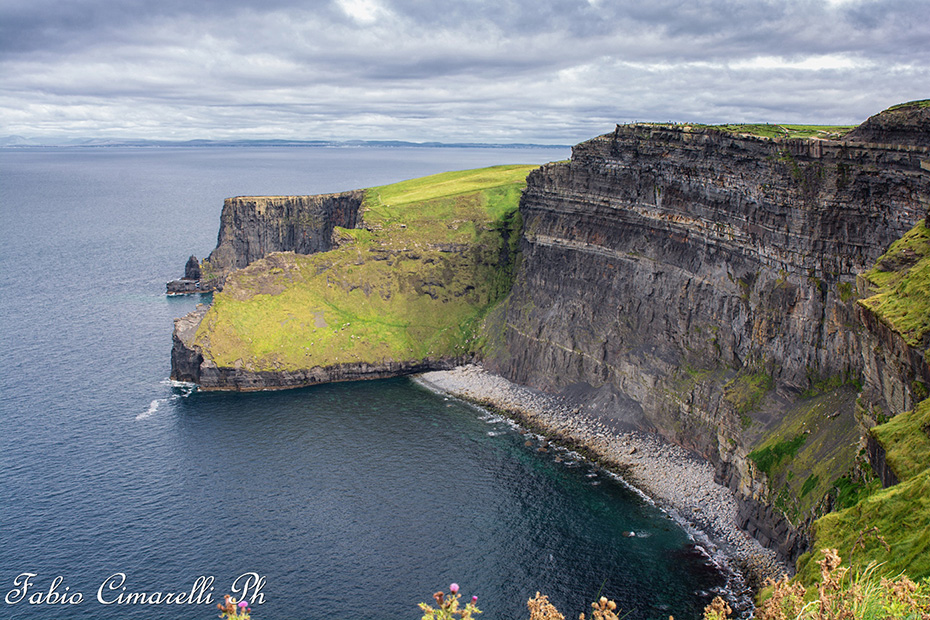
[891, 527]
[901, 283]
[807, 453]
[435, 254]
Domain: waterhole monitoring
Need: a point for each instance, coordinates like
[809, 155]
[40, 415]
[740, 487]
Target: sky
[493, 71]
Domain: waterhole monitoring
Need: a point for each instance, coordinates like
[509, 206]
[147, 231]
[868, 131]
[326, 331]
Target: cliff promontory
[388, 281]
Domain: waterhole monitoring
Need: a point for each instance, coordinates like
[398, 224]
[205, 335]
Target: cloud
[475, 70]
[364, 12]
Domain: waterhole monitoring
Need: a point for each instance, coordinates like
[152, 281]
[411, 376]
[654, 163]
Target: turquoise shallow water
[350, 500]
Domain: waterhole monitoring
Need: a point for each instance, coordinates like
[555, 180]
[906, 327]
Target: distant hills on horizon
[20, 141]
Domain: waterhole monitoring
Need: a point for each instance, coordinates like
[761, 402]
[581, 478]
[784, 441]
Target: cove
[350, 499]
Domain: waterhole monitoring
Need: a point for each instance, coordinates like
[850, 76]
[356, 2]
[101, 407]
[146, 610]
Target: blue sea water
[350, 500]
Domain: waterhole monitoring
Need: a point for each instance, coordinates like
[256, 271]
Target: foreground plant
[231, 609]
[603, 609]
[448, 606]
[842, 595]
[541, 609]
[718, 609]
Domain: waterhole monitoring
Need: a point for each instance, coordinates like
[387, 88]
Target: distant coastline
[21, 142]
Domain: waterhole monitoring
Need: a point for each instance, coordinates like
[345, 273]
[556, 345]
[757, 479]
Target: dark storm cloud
[496, 70]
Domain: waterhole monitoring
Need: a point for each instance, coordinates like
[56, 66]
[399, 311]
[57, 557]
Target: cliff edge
[704, 283]
[904, 124]
[402, 291]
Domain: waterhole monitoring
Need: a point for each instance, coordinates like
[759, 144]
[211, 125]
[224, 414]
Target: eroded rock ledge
[188, 364]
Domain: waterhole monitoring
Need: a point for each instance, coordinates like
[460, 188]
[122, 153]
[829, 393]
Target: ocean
[339, 501]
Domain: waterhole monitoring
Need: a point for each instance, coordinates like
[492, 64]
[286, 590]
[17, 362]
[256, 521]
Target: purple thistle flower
[454, 588]
[243, 604]
[474, 600]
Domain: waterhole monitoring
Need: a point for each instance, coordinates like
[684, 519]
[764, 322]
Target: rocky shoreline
[677, 480]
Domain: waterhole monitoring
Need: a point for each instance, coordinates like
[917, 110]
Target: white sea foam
[185, 387]
[182, 389]
[153, 408]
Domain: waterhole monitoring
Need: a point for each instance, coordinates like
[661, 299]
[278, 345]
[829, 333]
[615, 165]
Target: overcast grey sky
[545, 71]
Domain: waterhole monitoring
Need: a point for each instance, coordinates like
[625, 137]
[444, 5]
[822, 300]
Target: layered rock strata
[669, 264]
[904, 124]
[252, 227]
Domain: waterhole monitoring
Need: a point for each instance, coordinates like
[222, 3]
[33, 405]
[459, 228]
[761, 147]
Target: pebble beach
[675, 479]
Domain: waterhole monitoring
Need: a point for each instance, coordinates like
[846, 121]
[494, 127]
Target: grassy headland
[435, 254]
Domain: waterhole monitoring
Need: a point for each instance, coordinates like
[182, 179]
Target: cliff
[708, 280]
[251, 227]
[403, 291]
[903, 124]
[727, 290]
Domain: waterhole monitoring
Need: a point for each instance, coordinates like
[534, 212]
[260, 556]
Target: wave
[183, 389]
[152, 410]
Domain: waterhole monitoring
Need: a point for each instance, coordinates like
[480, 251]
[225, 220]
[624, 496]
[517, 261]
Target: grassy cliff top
[901, 286]
[413, 284]
[920, 103]
[444, 208]
[764, 130]
[823, 132]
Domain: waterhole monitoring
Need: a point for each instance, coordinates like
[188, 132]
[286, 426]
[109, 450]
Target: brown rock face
[658, 249]
[905, 124]
[251, 227]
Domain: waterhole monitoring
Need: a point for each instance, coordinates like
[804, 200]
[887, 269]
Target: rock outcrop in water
[190, 283]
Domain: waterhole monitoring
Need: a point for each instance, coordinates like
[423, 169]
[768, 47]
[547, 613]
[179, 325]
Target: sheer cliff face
[656, 248]
[252, 227]
[663, 266]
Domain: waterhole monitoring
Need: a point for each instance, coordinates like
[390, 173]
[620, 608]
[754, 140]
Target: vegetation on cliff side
[806, 449]
[901, 287]
[413, 284]
[891, 527]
